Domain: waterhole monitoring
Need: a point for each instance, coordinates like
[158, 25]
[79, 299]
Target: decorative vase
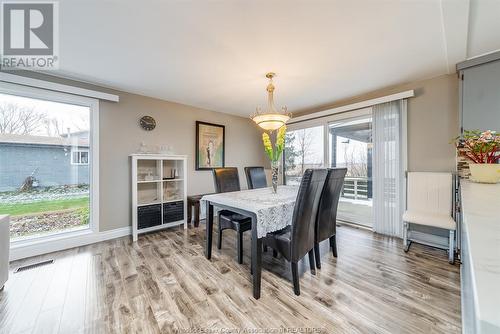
[274, 175]
[485, 173]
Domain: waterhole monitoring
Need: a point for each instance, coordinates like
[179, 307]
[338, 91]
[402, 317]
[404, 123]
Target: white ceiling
[214, 54]
[484, 29]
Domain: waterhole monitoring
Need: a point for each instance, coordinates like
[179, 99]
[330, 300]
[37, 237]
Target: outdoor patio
[355, 211]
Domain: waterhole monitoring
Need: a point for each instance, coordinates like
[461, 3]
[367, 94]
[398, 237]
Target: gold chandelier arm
[270, 96]
[270, 92]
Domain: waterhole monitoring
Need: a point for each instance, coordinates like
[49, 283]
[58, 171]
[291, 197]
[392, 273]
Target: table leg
[209, 228]
[256, 259]
[196, 214]
[189, 211]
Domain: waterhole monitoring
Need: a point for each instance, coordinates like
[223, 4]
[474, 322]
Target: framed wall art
[210, 141]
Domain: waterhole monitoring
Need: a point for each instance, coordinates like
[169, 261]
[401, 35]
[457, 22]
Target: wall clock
[148, 123]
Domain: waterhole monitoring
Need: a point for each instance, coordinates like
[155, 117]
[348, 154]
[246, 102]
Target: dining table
[268, 211]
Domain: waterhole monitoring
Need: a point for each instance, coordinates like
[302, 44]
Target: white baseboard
[60, 242]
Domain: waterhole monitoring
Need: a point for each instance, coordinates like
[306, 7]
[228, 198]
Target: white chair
[430, 203]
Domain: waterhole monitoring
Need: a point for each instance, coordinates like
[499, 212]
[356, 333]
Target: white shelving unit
[159, 192]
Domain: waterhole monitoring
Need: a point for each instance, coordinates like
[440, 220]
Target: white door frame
[93, 105]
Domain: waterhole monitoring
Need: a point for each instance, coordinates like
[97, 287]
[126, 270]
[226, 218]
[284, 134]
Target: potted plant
[483, 150]
[274, 153]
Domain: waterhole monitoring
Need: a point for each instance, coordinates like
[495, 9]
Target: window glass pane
[304, 149]
[44, 171]
[84, 157]
[76, 157]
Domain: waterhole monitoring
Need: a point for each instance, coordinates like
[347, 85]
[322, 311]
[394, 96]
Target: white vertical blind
[389, 165]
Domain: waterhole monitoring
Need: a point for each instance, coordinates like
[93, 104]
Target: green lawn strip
[43, 206]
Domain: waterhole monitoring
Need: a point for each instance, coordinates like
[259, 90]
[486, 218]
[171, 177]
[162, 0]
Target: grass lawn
[43, 206]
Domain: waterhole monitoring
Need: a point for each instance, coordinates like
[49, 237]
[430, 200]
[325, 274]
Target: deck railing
[356, 188]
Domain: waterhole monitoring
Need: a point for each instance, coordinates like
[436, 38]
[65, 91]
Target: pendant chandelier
[271, 119]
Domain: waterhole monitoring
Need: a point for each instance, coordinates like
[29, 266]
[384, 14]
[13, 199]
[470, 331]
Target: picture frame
[210, 145]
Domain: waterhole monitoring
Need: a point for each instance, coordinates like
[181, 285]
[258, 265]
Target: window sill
[56, 236]
[26, 248]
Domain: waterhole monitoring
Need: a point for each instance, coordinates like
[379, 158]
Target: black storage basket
[173, 211]
[148, 216]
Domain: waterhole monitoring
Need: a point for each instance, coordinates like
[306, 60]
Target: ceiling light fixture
[271, 119]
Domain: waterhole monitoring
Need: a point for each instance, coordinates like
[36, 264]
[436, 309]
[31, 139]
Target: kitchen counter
[480, 257]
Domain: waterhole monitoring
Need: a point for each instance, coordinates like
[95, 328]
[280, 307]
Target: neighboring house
[52, 161]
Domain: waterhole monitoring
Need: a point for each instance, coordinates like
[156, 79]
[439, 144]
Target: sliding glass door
[350, 145]
[342, 140]
[45, 166]
[371, 144]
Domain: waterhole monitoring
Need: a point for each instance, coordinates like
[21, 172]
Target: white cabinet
[479, 89]
[4, 249]
[159, 192]
[480, 258]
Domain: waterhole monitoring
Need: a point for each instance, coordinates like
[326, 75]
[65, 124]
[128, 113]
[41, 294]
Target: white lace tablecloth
[273, 211]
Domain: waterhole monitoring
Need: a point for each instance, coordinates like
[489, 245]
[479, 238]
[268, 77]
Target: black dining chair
[297, 240]
[227, 180]
[256, 177]
[326, 222]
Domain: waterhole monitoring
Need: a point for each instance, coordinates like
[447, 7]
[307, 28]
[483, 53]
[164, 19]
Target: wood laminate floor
[164, 284]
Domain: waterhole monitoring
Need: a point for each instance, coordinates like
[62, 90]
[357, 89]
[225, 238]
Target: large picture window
[46, 149]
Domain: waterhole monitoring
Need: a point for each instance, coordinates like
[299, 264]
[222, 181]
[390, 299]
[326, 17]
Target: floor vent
[33, 266]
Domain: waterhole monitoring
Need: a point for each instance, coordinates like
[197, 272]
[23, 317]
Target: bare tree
[15, 119]
[82, 122]
[53, 127]
[356, 162]
[304, 140]
[290, 151]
